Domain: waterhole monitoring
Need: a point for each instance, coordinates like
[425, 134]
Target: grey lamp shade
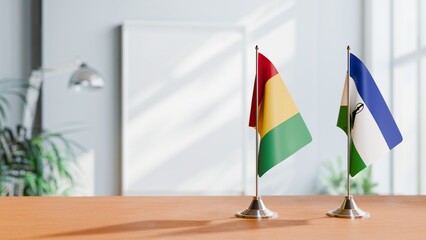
[86, 77]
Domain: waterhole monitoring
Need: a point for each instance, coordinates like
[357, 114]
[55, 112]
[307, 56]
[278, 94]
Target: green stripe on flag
[357, 164]
[282, 141]
[342, 118]
[356, 161]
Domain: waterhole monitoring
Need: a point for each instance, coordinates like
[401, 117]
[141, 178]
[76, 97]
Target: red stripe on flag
[266, 71]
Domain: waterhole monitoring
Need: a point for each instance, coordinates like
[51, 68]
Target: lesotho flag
[373, 129]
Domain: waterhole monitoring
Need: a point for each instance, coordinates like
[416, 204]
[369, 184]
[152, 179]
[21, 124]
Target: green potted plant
[333, 180]
[36, 165]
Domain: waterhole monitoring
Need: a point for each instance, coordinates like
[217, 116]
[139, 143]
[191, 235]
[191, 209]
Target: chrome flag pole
[257, 208]
[348, 208]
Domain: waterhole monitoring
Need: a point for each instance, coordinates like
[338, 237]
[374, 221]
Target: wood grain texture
[300, 217]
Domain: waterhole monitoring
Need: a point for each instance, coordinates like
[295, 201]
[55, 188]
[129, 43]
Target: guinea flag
[373, 129]
[281, 127]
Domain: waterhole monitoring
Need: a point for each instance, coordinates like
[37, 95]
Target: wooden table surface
[300, 217]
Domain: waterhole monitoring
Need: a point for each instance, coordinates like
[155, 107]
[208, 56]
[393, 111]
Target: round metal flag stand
[257, 209]
[348, 209]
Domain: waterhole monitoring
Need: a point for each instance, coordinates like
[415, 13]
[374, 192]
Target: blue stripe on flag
[372, 97]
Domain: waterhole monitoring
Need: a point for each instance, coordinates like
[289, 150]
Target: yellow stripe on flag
[277, 105]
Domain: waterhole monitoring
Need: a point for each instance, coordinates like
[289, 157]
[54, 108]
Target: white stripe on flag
[366, 135]
[344, 101]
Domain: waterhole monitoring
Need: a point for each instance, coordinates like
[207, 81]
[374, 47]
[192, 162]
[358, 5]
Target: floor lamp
[82, 77]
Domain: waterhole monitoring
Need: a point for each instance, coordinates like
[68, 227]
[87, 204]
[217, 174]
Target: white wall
[15, 47]
[306, 39]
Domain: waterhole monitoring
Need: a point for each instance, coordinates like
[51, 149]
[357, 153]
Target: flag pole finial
[348, 48]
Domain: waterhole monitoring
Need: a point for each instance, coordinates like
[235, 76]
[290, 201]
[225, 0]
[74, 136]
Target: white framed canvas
[184, 108]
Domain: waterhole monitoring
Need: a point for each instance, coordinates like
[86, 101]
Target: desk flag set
[280, 126]
[369, 125]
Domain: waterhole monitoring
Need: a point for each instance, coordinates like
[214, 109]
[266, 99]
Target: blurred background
[172, 116]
